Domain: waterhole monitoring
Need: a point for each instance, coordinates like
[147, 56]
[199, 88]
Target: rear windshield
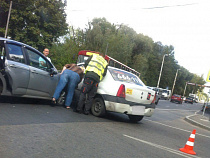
[123, 76]
[165, 91]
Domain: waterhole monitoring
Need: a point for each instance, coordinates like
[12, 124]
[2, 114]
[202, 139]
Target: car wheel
[135, 118]
[61, 99]
[98, 107]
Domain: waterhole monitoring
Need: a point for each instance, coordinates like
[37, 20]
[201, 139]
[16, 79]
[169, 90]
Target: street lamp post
[185, 88]
[5, 36]
[161, 70]
[174, 82]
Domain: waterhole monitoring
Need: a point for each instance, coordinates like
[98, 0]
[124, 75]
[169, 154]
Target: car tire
[135, 118]
[98, 107]
[61, 100]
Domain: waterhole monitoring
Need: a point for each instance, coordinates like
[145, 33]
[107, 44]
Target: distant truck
[166, 94]
[194, 97]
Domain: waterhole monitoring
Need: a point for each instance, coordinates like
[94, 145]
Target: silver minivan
[21, 73]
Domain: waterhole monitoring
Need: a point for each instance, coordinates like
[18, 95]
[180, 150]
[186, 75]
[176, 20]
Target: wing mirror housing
[53, 71]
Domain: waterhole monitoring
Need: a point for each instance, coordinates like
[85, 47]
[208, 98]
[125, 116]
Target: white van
[166, 94]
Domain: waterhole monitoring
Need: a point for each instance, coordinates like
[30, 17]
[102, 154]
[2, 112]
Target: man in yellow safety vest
[96, 68]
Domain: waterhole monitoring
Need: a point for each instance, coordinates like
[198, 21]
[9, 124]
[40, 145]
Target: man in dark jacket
[96, 68]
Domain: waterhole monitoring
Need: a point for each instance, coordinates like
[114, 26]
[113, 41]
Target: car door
[41, 83]
[16, 69]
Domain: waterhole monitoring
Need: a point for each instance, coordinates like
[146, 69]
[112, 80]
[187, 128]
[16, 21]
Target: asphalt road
[33, 129]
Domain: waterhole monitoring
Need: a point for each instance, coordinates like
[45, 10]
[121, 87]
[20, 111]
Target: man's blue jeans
[71, 79]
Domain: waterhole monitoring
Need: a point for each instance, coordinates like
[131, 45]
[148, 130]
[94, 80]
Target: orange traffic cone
[189, 145]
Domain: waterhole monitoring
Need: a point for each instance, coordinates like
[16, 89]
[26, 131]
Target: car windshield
[123, 76]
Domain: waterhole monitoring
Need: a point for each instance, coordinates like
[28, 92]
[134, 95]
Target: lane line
[176, 128]
[161, 147]
[173, 109]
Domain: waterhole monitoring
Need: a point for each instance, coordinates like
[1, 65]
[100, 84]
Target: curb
[188, 119]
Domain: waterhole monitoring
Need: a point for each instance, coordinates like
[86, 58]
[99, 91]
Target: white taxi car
[123, 92]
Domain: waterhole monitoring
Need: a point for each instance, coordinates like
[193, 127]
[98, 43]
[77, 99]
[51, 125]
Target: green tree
[38, 23]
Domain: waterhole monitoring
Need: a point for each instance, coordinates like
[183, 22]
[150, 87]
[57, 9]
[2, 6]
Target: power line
[179, 5]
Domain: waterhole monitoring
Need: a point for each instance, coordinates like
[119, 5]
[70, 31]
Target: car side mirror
[53, 71]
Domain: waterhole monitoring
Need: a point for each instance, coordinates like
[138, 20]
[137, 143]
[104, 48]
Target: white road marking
[173, 109]
[176, 128]
[161, 147]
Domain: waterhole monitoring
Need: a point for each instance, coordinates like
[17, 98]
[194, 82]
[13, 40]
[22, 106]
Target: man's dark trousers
[89, 89]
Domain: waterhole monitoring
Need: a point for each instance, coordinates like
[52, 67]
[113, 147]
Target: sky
[184, 24]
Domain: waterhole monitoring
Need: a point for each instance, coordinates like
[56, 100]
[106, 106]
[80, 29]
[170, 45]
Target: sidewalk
[199, 119]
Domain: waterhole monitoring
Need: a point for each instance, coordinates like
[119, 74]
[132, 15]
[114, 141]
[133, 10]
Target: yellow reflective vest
[97, 64]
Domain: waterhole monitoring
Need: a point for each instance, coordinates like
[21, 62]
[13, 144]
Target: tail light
[148, 96]
[154, 99]
[121, 91]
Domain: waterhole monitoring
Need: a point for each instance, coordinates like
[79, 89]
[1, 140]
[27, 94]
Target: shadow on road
[19, 100]
[19, 111]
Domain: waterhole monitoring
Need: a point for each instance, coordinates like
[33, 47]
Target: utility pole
[185, 88]
[174, 82]
[10, 8]
[161, 70]
[106, 48]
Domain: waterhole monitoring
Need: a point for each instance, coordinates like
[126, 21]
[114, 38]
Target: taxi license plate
[138, 110]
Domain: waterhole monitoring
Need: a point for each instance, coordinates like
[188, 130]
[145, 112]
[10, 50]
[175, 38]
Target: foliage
[38, 23]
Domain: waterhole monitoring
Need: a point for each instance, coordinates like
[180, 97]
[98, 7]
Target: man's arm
[105, 70]
[64, 68]
[87, 61]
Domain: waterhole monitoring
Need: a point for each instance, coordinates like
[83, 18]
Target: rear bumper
[120, 105]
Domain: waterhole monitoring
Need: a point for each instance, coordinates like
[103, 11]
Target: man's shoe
[78, 111]
[86, 112]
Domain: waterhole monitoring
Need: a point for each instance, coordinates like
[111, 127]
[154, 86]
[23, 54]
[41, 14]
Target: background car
[189, 100]
[176, 98]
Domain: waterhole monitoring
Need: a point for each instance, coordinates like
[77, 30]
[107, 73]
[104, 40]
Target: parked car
[21, 73]
[189, 100]
[176, 98]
